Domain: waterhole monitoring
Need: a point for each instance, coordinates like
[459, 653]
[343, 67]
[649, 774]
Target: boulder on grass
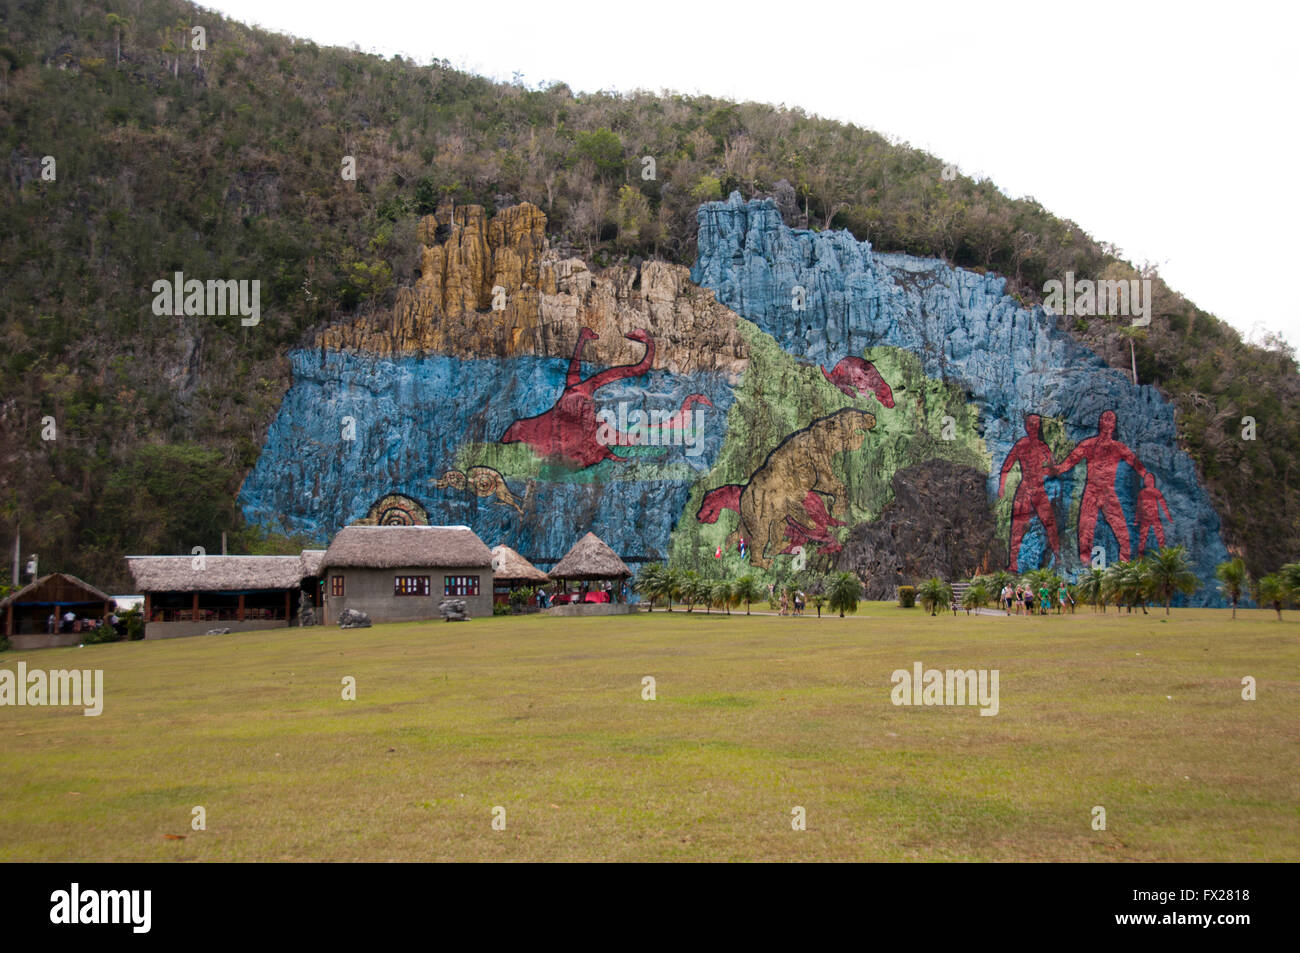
[353, 619]
[218, 632]
[453, 610]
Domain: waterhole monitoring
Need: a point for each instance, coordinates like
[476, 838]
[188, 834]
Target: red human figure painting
[1103, 454]
[855, 376]
[1031, 499]
[570, 428]
[1150, 502]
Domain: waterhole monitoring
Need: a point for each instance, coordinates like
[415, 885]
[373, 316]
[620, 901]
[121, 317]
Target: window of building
[410, 585]
[460, 586]
[336, 585]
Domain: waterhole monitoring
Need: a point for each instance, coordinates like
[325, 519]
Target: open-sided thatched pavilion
[510, 571]
[591, 560]
[25, 612]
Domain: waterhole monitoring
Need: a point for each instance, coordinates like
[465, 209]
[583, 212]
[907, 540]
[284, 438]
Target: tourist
[785, 600]
[1044, 600]
[1027, 600]
[1006, 598]
[798, 602]
[51, 624]
[69, 619]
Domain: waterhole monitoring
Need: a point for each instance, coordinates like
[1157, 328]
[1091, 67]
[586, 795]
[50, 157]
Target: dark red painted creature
[570, 429]
[855, 376]
[682, 419]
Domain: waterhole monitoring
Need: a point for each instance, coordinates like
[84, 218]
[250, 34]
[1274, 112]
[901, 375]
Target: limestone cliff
[543, 302]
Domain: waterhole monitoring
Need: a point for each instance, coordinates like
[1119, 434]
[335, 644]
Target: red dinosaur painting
[570, 429]
[682, 419]
[855, 376]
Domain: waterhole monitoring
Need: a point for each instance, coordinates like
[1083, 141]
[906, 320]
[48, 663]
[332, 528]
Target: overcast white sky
[1169, 129]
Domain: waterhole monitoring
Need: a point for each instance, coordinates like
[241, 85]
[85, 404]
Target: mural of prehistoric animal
[1103, 454]
[484, 481]
[1035, 458]
[395, 509]
[782, 505]
[855, 376]
[682, 419]
[570, 429]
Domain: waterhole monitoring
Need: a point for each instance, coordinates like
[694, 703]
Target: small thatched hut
[189, 595]
[26, 612]
[592, 561]
[402, 573]
[510, 570]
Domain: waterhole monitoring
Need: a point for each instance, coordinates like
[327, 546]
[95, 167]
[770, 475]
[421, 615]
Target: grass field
[544, 717]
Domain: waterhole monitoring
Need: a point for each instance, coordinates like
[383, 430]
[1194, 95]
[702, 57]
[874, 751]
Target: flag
[718, 554]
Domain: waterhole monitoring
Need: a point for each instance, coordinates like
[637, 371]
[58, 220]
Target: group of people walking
[1022, 600]
[792, 603]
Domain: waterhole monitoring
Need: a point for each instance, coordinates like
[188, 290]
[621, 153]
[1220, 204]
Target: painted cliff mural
[795, 401]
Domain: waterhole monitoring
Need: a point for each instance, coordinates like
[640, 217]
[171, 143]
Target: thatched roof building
[56, 588]
[214, 573]
[311, 562]
[509, 566]
[395, 547]
[24, 613]
[590, 558]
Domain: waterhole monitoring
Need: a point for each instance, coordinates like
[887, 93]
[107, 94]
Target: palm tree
[1272, 590]
[689, 590]
[1168, 574]
[119, 25]
[720, 594]
[1090, 587]
[652, 583]
[1290, 574]
[976, 597]
[932, 593]
[675, 582]
[846, 590]
[819, 600]
[747, 590]
[1137, 583]
[1133, 334]
[1233, 580]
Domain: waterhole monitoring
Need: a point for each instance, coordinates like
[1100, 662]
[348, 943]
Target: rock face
[353, 619]
[1013, 362]
[934, 526]
[695, 417]
[543, 302]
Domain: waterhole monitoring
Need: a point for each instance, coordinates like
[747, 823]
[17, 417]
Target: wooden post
[194, 610]
[9, 620]
[239, 613]
[288, 620]
[148, 608]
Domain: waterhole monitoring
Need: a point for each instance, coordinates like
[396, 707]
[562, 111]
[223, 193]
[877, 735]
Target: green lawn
[544, 717]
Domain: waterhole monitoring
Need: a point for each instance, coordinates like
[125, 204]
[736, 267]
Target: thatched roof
[590, 558]
[61, 580]
[219, 573]
[509, 566]
[311, 560]
[397, 547]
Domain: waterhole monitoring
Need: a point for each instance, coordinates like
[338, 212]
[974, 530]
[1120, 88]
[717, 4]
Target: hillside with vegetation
[226, 162]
